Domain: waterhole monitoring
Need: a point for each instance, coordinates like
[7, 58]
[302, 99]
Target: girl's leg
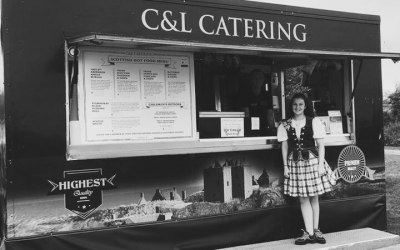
[318, 237]
[315, 210]
[307, 213]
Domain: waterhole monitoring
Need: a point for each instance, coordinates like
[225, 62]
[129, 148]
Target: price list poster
[136, 96]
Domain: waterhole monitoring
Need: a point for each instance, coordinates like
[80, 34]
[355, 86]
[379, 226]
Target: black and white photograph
[199, 124]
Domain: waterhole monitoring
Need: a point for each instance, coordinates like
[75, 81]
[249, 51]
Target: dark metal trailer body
[35, 36]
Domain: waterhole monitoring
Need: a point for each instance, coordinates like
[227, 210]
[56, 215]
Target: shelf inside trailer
[116, 150]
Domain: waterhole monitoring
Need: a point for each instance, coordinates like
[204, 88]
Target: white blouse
[318, 129]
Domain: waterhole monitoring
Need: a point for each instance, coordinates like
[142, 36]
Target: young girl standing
[306, 174]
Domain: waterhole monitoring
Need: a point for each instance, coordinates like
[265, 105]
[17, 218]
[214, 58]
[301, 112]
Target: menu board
[132, 95]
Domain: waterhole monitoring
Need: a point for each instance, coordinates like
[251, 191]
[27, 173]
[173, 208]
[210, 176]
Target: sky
[388, 10]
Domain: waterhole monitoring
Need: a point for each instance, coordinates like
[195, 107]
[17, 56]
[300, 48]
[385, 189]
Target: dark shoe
[304, 239]
[318, 237]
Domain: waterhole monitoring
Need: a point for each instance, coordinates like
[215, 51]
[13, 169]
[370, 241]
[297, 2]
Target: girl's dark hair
[308, 111]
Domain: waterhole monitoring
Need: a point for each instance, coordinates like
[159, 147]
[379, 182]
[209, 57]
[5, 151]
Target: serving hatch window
[255, 91]
[134, 102]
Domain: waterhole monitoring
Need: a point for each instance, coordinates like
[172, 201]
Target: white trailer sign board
[131, 95]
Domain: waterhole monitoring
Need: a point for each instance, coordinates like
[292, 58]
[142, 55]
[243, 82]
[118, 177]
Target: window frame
[116, 150]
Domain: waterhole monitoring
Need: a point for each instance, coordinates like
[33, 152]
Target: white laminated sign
[232, 127]
[335, 122]
[131, 95]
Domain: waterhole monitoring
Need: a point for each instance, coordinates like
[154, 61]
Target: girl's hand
[286, 171]
[321, 169]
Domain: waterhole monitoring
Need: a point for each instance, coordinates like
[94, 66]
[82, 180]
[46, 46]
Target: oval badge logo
[351, 165]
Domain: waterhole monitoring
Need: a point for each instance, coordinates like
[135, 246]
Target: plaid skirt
[304, 179]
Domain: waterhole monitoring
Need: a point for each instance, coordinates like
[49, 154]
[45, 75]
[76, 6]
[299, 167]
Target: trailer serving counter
[151, 124]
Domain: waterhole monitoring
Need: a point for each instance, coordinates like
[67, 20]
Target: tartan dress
[303, 163]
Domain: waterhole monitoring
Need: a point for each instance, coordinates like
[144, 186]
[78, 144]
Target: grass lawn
[393, 195]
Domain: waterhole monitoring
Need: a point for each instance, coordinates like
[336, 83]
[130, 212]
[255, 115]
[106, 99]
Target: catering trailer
[151, 124]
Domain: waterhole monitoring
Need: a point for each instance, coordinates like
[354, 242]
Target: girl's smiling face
[298, 106]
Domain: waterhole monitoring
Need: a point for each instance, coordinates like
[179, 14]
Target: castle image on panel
[231, 180]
